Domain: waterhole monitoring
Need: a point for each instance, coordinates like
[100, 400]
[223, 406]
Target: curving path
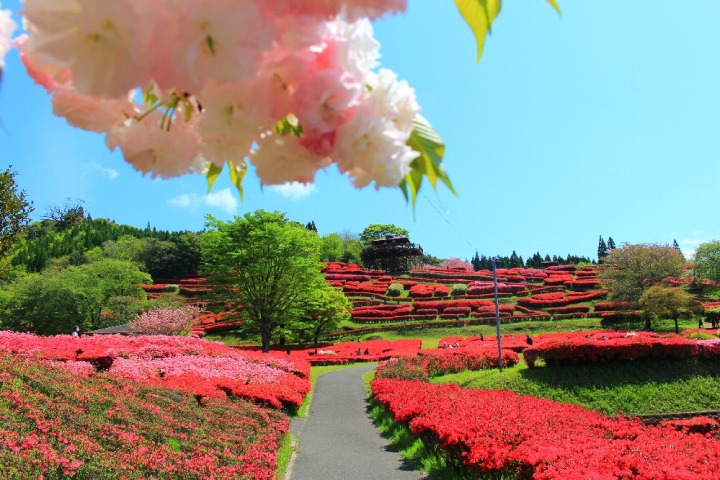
[339, 440]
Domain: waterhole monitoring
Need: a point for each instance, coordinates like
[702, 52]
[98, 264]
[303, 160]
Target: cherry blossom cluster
[182, 86]
[7, 27]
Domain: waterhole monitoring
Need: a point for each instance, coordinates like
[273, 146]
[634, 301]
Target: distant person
[359, 351]
[482, 337]
[529, 339]
[700, 323]
[367, 352]
[76, 331]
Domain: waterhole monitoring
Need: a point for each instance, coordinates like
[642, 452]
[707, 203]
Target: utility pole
[497, 315]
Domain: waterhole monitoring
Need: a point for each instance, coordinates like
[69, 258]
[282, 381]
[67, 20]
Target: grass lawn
[642, 387]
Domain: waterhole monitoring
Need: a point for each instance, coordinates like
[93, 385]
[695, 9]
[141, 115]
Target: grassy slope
[641, 387]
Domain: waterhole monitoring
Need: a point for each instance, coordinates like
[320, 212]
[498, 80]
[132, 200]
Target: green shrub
[459, 289]
[395, 290]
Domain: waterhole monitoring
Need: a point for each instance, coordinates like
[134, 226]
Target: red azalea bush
[558, 279]
[382, 310]
[348, 277]
[181, 363]
[501, 433]
[60, 425]
[608, 347]
[365, 287]
[702, 425]
[481, 288]
[431, 363]
[570, 309]
[582, 284]
[424, 290]
[559, 299]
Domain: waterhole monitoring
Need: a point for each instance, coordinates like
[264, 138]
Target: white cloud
[689, 245]
[294, 190]
[222, 199]
[107, 172]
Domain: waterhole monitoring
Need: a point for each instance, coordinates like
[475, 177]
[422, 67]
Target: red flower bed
[182, 363]
[463, 311]
[583, 284]
[368, 351]
[425, 290]
[570, 309]
[558, 279]
[501, 433]
[561, 268]
[382, 311]
[559, 299]
[354, 277]
[431, 363]
[702, 425]
[364, 287]
[426, 311]
[480, 288]
[608, 347]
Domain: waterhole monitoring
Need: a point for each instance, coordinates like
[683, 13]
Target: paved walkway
[339, 440]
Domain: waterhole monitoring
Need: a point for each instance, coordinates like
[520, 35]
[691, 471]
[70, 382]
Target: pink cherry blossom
[281, 159]
[150, 147]
[7, 27]
[100, 42]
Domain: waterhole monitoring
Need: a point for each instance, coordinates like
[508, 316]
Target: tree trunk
[677, 328]
[648, 326]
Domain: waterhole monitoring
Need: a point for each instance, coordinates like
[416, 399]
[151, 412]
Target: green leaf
[555, 5]
[425, 140]
[212, 174]
[236, 176]
[479, 15]
[289, 125]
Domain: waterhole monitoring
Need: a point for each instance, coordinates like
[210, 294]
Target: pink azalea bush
[166, 321]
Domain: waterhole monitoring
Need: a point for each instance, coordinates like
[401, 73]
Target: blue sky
[602, 121]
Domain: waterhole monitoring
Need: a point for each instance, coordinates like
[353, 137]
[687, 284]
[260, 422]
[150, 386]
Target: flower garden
[154, 406]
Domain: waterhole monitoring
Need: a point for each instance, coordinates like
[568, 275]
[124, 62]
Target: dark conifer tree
[611, 244]
[476, 262]
[602, 249]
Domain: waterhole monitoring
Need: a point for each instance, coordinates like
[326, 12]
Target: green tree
[273, 264]
[611, 244]
[91, 296]
[630, 270]
[707, 257]
[127, 248]
[15, 211]
[351, 247]
[667, 302]
[377, 230]
[326, 309]
[602, 249]
[331, 249]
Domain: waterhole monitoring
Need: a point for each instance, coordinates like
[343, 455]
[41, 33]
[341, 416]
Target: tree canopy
[378, 230]
[669, 302]
[273, 264]
[631, 269]
[15, 211]
[92, 296]
[707, 257]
